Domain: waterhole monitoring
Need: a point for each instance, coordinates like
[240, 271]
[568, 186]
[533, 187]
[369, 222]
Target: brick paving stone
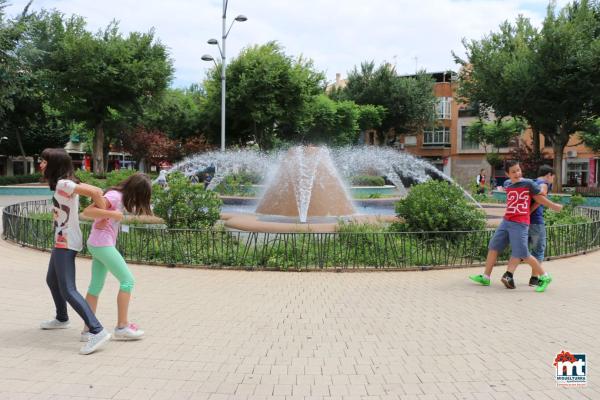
[238, 335]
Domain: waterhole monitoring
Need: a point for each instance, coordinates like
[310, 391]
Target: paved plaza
[217, 335]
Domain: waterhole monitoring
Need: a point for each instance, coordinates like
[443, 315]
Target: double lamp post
[207, 57]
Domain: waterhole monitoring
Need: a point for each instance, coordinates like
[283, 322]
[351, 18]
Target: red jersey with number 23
[518, 199]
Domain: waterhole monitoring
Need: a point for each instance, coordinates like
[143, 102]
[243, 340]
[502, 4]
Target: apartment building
[434, 143]
[579, 165]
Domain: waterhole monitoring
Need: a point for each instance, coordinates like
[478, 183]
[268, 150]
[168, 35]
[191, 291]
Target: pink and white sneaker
[130, 332]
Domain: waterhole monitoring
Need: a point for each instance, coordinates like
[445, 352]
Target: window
[443, 108]
[410, 140]
[577, 174]
[465, 143]
[440, 137]
[18, 168]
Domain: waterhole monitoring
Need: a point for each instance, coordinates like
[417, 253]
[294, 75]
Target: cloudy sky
[337, 35]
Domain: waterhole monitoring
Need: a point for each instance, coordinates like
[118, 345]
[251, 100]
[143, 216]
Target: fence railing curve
[29, 223]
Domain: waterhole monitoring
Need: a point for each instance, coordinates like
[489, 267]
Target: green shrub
[113, 178]
[576, 200]
[184, 205]
[485, 198]
[14, 180]
[90, 178]
[103, 182]
[239, 184]
[566, 216]
[439, 206]
[360, 227]
[367, 180]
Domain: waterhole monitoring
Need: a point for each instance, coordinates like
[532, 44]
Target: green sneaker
[482, 280]
[544, 282]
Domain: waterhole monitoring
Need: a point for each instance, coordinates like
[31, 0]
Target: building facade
[446, 145]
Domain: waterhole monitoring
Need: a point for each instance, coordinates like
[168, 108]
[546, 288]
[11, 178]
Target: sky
[336, 35]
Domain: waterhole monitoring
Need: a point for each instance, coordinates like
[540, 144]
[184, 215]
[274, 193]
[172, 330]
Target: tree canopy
[547, 76]
[409, 102]
[267, 92]
[27, 118]
[95, 77]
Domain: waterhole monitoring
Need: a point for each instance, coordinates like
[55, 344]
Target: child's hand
[118, 216]
[557, 207]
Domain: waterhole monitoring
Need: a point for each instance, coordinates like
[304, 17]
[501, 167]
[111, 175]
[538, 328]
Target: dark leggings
[61, 281]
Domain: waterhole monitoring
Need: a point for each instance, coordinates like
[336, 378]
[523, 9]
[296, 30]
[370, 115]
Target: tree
[549, 77]
[267, 92]
[94, 77]
[494, 135]
[8, 43]
[177, 112]
[151, 146]
[27, 119]
[409, 102]
[337, 123]
[154, 146]
[529, 159]
[371, 116]
[591, 135]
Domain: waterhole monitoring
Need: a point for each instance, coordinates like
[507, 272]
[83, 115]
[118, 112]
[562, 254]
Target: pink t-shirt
[107, 236]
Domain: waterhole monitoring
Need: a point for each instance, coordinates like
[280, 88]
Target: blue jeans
[537, 240]
[61, 281]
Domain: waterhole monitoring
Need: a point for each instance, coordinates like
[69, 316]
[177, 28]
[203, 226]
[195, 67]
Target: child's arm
[545, 202]
[543, 192]
[92, 211]
[92, 192]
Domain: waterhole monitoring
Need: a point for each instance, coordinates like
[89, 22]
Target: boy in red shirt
[514, 229]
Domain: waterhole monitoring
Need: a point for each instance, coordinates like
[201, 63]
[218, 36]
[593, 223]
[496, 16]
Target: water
[306, 165]
[303, 171]
[360, 210]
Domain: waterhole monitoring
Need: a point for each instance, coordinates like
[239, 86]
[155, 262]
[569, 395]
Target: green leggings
[109, 259]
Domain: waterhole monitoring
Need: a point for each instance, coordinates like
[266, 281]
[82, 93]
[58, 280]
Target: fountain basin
[275, 224]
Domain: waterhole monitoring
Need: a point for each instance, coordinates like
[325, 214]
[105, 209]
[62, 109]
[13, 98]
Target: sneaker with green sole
[543, 284]
[482, 280]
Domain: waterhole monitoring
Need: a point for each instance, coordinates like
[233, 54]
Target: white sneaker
[95, 342]
[55, 324]
[85, 336]
[130, 332]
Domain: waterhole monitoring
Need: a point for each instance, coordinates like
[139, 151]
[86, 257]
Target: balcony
[439, 138]
[467, 112]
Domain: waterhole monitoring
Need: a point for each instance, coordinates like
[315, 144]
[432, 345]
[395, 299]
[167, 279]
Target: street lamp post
[225, 33]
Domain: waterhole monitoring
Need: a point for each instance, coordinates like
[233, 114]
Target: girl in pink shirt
[132, 195]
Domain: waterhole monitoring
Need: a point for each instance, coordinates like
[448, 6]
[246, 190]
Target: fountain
[305, 188]
[306, 184]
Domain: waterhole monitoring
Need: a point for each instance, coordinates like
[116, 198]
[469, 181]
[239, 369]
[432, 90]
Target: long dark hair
[58, 166]
[137, 192]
